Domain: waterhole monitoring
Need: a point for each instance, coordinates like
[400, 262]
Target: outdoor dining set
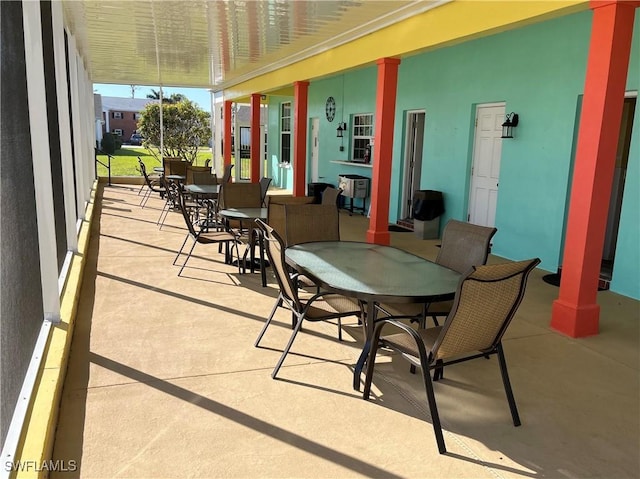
[394, 294]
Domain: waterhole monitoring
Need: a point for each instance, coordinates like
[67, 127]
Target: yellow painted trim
[36, 443]
[451, 23]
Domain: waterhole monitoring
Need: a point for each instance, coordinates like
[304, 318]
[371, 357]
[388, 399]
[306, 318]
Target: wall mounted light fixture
[510, 123]
[341, 130]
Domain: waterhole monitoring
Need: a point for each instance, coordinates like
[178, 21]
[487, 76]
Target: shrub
[109, 143]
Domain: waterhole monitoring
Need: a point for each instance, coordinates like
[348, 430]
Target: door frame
[472, 162]
[411, 176]
[314, 138]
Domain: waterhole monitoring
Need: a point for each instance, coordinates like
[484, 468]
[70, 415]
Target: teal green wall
[354, 93]
[538, 77]
[626, 270]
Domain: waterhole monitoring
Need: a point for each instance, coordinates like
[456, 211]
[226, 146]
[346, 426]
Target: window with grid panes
[362, 134]
[285, 132]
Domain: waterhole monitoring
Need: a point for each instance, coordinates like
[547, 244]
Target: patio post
[256, 154]
[226, 150]
[576, 312]
[378, 231]
[301, 93]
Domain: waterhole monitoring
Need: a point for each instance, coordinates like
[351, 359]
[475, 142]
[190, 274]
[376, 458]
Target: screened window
[285, 132]
[362, 134]
[117, 115]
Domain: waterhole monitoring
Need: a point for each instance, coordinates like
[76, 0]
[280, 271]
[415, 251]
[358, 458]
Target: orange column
[378, 231]
[301, 93]
[226, 116]
[576, 312]
[256, 154]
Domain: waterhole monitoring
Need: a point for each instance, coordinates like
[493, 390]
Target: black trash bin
[316, 189]
[428, 206]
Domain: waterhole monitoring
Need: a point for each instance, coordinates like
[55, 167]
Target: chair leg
[268, 321]
[166, 213]
[165, 207]
[507, 386]
[438, 372]
[145, 198]
[286, 349]
[371, 363]
[433, 410]
[180, 250]
[229, 254]
[188, 256]
[339, 329]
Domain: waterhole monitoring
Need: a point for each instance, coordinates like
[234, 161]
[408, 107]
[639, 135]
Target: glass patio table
[372, 274]
[206, 194]
[248, 216]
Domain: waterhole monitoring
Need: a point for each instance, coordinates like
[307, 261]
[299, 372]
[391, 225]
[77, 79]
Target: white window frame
[362, 125]
[117, 115]
[285, 131]
[117, 131]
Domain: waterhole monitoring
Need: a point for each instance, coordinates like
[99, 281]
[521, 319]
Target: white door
[413, 161]
[315, 148]
[263, 152]
[485, 172]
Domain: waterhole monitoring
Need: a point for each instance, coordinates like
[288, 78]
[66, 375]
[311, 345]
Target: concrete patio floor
[163, 379]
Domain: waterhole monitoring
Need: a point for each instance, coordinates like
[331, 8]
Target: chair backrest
[241, 195]
[275, 251]
[486, 300]
[275, 210]
[143, 170]
[193, 169]
[204, 178]
[305, 223]
[330, 196]
[179, 168]
[185, 214]
[264, 187]
[226, 177]
[172, 191]
[464, 245]
[175, 166]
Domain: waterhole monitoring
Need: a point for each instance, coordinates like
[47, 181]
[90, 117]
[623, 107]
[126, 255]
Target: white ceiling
[217, 43]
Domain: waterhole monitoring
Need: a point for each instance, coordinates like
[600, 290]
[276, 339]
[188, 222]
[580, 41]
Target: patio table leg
[369, 324]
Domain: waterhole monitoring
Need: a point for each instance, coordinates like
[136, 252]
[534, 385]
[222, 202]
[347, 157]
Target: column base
[379, 237]
[575, 321]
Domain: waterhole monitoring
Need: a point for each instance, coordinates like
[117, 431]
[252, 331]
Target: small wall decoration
[330, 109]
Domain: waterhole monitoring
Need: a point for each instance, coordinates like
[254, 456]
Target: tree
[173, 98]
[185, 125]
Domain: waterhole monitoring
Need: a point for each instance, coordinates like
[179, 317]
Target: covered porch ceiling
[244, 47]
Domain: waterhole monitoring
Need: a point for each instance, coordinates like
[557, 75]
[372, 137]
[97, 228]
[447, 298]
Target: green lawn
[125, 161]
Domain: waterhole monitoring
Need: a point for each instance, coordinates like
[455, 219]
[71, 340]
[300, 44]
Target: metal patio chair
[321, 306]
[203, 236]
[486, 301]
[463, 245]
[153, 183]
